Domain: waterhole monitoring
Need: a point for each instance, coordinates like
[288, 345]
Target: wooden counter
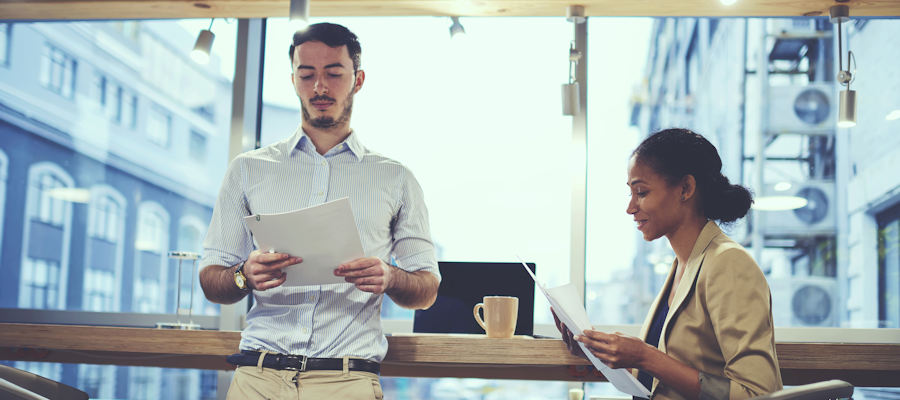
[413, 355]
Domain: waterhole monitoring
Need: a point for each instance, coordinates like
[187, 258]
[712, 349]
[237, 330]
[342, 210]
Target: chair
[35, 385]
[833, 389]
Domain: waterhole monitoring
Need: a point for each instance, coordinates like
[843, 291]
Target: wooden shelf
[413, 355]
[151, 9]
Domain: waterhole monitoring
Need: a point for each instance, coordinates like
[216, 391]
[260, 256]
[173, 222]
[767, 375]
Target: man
[319, 342]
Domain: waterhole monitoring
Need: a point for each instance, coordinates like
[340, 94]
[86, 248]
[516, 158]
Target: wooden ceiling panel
[149, 9]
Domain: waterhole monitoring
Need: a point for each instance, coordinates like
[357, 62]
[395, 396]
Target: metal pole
[579, 166]
[762, 73]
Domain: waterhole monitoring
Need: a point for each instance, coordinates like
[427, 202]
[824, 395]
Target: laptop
[465, 284]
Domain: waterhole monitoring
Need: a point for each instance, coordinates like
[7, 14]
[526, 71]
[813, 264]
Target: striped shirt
[327, 320]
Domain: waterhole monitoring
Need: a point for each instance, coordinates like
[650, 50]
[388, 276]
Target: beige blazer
[720, 321]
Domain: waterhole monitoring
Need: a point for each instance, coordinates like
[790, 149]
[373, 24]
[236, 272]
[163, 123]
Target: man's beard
[327, 123]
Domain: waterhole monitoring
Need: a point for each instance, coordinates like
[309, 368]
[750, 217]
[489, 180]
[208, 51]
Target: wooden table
[862, 365]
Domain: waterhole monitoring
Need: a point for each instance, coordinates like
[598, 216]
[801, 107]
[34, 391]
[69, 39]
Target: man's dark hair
[333, 35]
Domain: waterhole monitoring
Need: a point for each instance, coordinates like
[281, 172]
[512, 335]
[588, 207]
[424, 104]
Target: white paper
[325, 236]
[570, 310]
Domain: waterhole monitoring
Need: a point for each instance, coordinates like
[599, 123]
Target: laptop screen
[464, 284]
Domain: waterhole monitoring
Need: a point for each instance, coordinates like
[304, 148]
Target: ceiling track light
[299, 17]
[456, 28]
[203, 46]
[571, 103]
[847, 109]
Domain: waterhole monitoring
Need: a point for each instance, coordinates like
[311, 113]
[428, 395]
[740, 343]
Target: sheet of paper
[570, 310]
[325, 236]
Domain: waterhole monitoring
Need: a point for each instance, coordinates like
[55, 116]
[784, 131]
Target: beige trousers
[271, 384]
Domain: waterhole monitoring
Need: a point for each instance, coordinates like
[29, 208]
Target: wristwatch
[239, 279]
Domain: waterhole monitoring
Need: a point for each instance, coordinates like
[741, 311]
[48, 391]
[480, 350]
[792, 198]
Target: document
[325, 236]
[570, 310]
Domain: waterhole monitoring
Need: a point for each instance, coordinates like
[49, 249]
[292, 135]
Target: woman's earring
[682, 198]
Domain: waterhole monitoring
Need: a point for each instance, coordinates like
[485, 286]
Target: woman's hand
[568, 337]
[616, 350]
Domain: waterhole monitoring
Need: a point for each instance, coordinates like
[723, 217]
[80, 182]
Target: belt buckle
[302, 365]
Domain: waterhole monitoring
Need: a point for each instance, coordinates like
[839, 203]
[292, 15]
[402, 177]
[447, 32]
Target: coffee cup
[500, 316]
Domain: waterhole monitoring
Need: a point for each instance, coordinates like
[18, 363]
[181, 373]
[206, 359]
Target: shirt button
[312, 298]
[323, 163]
[304, 330]
[320, 193]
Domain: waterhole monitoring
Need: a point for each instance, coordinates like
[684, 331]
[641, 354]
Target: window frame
[230, 318]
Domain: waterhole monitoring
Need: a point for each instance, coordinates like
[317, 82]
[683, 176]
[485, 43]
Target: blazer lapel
[645, 329]
[710, 231]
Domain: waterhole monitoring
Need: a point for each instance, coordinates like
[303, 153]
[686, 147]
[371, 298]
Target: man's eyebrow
[334, 65]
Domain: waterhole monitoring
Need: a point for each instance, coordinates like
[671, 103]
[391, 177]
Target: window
[5, 29]
[197, 147]
[98, 381]
[46, 237]
[4, 165]
[889, 268]
[117, 102]
[191, 232]
[159, 126]
[128, 29]
[151, 250]
[103, 257]
[72, 231]
[58, 71]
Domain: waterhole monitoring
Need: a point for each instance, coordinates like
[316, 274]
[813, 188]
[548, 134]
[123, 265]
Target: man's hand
[568, 337]
[263, 270]
[371, 274]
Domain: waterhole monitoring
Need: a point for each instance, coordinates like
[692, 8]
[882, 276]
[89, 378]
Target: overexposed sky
[479, 122]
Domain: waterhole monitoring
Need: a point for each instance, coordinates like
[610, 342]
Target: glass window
[58, 71]
[151, 250]
[159, 126]
[197, 147]
[717, 89]
[515, 180]
[94, 203]
[5, 29]
[105, 249]
[4, 166]
[46, 236]
[889, 268]
[191, 232]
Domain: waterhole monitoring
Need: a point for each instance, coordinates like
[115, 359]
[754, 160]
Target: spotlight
[847, 109]
[893, 115]
[299, 18]
[728, 2]
[782, 186]
[200, 54]
[456, 28]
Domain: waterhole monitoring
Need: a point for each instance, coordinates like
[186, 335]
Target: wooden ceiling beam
[153, 9]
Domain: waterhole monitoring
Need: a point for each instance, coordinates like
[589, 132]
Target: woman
[709, 334]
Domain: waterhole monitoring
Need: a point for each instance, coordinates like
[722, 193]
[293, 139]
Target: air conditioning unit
[815, 219]
[808, 301]
[808, 110]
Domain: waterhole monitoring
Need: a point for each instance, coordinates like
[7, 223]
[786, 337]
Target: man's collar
[301, 140]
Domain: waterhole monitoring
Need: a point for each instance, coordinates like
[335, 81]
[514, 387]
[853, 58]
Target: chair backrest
[39, 385]
[833, 389]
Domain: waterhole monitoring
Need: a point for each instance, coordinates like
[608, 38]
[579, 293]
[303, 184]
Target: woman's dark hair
[676, 153]
[333, 35]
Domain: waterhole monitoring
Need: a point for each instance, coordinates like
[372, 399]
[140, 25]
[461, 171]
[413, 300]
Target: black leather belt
[302, 363]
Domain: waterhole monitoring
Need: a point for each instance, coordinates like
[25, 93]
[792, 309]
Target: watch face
[239, 280]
